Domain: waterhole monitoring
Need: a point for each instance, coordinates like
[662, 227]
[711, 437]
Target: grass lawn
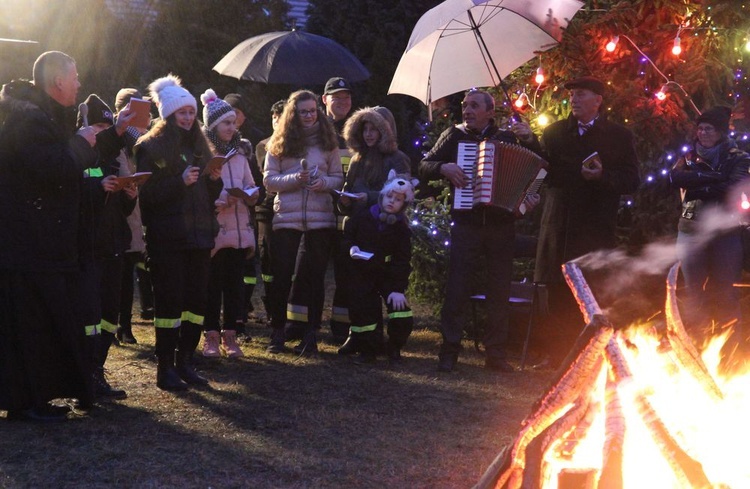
[282, 421]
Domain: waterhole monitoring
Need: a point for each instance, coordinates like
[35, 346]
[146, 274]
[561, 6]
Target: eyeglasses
[706, 129]
[307, 113]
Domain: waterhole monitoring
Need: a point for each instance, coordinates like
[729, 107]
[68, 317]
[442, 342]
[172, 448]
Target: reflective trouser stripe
[192, 317]
[250, 280]
[363, 329]
[93, 329]
[340, 222]
[141, 265]
[340, 314]
[400, 314]
[167, 323]
[267, 278]
[388, 258]
[296, 313]
[108, 327]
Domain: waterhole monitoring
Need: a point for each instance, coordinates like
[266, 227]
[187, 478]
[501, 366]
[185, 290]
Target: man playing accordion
[482, 236]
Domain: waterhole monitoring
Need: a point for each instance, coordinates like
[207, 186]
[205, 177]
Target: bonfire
[637, 407]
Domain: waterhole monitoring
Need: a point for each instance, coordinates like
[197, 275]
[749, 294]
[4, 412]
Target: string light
[521, 100]
[542, 120]
[662, 94]
[676, 48]
[612, 44]
[539, 78]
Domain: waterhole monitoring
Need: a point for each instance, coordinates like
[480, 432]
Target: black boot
[101, 386]
[448, 356]
[190, 335]
[368, 346]
[309, 344]
[277, 341]
[124, 332]
[166, 374]
[350, 346]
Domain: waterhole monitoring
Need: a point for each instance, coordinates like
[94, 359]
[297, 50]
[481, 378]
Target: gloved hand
[397, 300]
[352, 251]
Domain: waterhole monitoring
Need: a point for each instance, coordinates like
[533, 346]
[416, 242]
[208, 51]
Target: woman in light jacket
[302, 166]
[236, 239]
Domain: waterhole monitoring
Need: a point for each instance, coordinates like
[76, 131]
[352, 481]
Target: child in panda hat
[379, 242]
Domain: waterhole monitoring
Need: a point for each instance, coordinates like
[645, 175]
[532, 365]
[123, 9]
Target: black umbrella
[293, 57]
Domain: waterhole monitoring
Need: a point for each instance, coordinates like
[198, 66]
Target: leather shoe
[447, 362]
[47, 414]
[498, 365]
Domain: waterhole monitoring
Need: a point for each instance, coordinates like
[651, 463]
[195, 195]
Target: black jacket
[707, 184]
[175, 216]
[445, 151]
[41, 169]
[580, 216]
[391, 244]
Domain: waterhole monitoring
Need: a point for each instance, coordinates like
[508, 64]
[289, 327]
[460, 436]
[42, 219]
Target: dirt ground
[282, 421]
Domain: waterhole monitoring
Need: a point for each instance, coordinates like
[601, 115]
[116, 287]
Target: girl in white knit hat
[177, 207]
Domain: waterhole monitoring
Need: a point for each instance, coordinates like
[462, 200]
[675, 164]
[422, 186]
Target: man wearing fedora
[581, 200]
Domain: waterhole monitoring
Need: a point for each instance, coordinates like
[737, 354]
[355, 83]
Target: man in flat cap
[581, 200]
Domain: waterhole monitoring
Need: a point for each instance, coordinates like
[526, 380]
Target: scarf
[311, 135]
[224, 147]
[712, 154]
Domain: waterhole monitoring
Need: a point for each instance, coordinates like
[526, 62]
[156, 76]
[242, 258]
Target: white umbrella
[462, 44]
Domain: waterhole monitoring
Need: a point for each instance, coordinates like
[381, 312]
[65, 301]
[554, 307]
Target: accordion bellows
[500, 175]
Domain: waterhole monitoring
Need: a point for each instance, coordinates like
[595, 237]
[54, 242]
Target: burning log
[611, 476]
[567, 386]
[687, 470]
[562, 417]
[681, 343]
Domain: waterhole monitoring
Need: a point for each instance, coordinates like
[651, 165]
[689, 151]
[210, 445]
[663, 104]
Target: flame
[709, 430]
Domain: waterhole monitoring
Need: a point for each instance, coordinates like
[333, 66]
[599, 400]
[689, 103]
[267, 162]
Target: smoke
[633, 286]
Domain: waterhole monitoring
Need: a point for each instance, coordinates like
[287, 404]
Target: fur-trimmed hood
[353, 131]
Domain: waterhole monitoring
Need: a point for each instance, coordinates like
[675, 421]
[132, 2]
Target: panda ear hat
[399, 185]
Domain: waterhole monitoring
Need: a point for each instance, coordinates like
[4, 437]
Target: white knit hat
[169, 95]
[215, 109]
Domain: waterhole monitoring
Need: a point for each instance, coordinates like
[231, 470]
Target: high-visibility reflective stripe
[267, 278]
[141, 265]
[388, 258]
[296, 313]
[400, 314]
[93, 329]
[340, 222]
[340, 314]
[167, 323]
[93, 172]
[250, 280]
[192, 317]
[108, 327]
[363, 329]
[345, 162]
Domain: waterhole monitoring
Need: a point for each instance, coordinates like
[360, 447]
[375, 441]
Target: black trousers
[286, 246]
[225, 284]
[134, 263]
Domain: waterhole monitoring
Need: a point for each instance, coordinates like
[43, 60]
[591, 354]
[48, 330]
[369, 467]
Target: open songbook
[590, 159]
[142, 109]
[134, 179]
[244, 194]
[217, 162]
[346, 194]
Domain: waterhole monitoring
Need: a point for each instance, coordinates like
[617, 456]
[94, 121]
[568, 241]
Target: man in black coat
[484, 231]
[581, 200]
[42, 159]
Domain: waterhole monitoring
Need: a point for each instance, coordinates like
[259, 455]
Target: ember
[632, 408]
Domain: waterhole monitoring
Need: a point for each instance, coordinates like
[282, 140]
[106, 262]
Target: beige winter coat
[296, 207]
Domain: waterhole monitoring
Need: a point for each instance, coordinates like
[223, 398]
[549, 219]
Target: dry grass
[279, 421]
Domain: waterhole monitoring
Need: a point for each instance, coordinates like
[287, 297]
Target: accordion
[500, 175]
